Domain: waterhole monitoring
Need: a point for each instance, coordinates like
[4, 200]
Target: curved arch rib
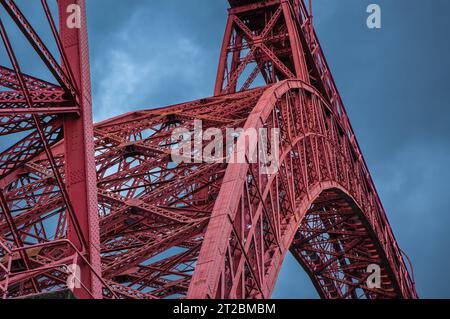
[252, 229]
[215, 230]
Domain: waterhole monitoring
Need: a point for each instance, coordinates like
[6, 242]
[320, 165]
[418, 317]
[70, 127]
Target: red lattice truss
[140, 226]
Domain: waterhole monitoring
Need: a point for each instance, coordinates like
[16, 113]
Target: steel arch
[153, 229]
[231, 263]
[194, 207]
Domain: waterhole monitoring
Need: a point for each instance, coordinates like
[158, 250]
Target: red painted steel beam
[33, 38]
[45, 112]
[79, 149]
[268, 25]
[154, 229]
[40, 111]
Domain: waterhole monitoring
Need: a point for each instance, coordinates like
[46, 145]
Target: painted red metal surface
[141, 226]
[38, 257]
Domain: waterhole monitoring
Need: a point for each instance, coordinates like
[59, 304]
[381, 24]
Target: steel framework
[109, 199]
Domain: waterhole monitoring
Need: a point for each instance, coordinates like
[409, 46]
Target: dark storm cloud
[394, 82]
[153, 53]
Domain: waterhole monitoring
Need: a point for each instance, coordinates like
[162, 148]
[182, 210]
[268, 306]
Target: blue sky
[394, 83]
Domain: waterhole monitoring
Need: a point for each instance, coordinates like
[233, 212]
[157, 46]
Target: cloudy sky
[394, 82]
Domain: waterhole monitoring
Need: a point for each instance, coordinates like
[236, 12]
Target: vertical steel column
[223, 56]
[81, 177]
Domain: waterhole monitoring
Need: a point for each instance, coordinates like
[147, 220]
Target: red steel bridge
[108, 198]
